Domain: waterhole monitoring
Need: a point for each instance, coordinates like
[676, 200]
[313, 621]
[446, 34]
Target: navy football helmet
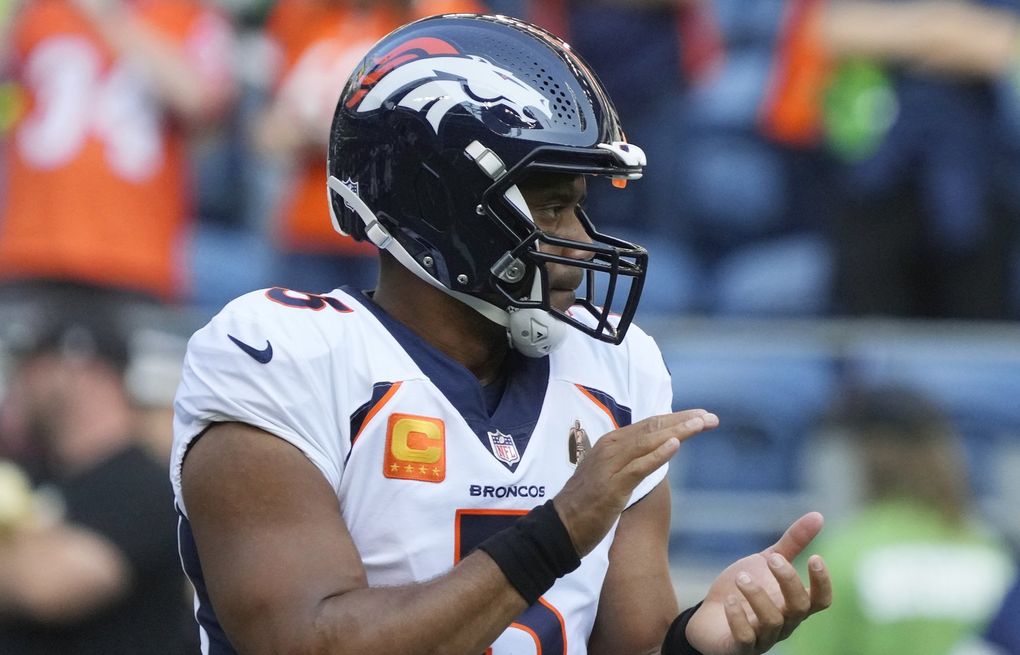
[435, 129]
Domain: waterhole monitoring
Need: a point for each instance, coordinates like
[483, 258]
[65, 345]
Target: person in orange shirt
[318, 43]
[96, 196]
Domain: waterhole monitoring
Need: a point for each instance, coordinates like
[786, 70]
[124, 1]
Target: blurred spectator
[904, 91]
[8, 92]
[98, 572]
[318, 43]
[7, 11]
[916, 574]
[7, 8]
[96, 193]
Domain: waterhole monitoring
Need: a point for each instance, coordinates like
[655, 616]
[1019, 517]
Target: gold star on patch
[394, 467]
[422, 469]
[409, 469]
[435, 471]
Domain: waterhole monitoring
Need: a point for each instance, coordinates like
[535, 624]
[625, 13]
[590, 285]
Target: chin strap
[533, 332]
[381, 237]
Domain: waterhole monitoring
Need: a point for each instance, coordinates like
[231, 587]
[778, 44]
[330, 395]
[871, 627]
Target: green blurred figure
[915, 572]
[860, 106]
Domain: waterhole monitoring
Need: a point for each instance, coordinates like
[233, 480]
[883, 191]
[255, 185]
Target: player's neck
[451, 326]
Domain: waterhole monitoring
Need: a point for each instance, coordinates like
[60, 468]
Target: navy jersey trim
[620, 414]
[205, 615]
[379, 390]
[518, 410]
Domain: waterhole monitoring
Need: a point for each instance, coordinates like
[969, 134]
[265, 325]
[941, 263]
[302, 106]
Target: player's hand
[599, 490]
[759, 600]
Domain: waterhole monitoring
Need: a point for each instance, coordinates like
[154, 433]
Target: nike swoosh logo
[261, 356]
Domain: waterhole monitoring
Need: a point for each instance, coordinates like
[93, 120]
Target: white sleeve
[293, 395]
[651, 392]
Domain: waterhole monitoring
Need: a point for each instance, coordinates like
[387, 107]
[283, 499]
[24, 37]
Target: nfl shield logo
[353, 186]
[504, 448]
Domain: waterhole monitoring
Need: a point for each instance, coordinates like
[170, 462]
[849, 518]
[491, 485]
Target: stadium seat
[743, 22]
[732, 187]
[785, 276]
[730, 100]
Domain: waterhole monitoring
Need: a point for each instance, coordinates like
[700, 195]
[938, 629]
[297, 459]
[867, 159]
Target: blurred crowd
[807, 158]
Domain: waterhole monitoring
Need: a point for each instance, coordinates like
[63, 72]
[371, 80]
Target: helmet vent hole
[535, 74]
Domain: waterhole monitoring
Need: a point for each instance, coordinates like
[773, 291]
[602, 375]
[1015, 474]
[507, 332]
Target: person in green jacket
[916, 573]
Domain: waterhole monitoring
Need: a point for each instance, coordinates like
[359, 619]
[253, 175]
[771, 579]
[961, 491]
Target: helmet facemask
[612, 269]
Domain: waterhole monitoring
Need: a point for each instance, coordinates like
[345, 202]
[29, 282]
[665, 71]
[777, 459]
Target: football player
[470, 458]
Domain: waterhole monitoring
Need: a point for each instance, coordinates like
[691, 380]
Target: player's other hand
[599, 490]
[760, 599]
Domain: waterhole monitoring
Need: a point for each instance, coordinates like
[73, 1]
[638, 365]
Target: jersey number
[541, 621]
[303, 300]
[76, 98]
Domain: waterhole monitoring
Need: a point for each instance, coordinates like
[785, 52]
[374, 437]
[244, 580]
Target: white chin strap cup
[535, 332]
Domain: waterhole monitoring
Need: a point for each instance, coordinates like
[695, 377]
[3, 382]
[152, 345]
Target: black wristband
[533, 552]
[676, 637]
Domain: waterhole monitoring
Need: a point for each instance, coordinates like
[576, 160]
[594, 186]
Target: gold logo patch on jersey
[578, 443]
[415, 448]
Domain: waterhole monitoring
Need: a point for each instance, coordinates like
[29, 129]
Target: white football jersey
[422, 471]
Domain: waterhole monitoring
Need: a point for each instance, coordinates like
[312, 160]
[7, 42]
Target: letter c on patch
[418, 441]
[415, 448]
